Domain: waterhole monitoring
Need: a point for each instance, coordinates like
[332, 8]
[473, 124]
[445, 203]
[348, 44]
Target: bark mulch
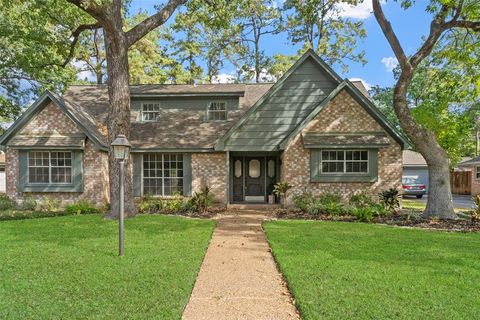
[403, 219]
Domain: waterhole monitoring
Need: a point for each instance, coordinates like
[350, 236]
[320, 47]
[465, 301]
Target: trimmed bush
[6, 203]
[81, 208]
[303, 200]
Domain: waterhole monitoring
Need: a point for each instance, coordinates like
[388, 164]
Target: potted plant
[280, 189]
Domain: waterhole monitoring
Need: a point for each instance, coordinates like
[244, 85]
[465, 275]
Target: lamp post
[121, 150]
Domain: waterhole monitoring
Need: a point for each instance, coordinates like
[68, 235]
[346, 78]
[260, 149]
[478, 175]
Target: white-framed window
[343, 161]
[162, 174]
[150, 111]
[50, 167]
[477, 172]
[217, 110]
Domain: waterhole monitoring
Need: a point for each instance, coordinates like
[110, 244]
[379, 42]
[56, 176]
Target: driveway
[459, 201]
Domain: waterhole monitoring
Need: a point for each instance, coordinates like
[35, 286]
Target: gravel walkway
[238, 278]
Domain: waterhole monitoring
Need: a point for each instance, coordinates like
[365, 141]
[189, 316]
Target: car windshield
[410, 181]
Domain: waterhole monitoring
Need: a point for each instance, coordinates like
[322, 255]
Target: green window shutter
[187, 174]
[77, 171]
[23, 169]
[137, 174]
[314, 164]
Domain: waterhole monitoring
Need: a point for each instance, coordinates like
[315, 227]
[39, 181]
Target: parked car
[413, 187]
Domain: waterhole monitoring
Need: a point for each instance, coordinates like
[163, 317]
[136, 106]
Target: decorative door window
[254, 168]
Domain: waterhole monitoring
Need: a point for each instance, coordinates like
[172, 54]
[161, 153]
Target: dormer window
[217, 110]
[150, 111]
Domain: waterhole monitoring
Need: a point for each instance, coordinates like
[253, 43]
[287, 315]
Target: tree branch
[390, 35]
[152, 22]
[76, 35]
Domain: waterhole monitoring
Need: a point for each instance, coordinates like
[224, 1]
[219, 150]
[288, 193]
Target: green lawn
[67, 267]
[341, 270]
[416, 205]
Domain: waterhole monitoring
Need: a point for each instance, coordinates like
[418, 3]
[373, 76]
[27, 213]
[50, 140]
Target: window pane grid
[162, 174]
[150, 111]
[344, 161]
[50, 167]
[217, 111]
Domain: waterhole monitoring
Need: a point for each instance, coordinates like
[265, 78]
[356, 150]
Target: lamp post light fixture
[121, 150]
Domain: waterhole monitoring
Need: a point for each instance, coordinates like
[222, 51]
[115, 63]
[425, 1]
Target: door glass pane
[238, 169]
[271, 168]
[254, 168]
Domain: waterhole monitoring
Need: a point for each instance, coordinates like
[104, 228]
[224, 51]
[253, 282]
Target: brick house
[310, 128]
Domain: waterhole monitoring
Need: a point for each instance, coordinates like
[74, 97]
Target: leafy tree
[448, 15]
[108, 15]
[318, 24]
[257, 18]
[33, 46]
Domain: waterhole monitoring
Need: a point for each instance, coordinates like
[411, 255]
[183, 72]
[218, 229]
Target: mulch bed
[400, 219]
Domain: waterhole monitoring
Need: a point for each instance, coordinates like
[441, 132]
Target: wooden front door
[254, 179]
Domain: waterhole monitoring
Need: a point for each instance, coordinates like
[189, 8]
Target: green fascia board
[35, 147]
[35, 108]
[220, 145]
[183, 95]
[368, 105]
[312, 115]
[347, 146]
[172, 150]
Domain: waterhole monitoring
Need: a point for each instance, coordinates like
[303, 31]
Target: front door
[254, 179]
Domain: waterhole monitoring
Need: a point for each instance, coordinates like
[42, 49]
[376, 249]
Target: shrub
[6, 203]
[475, 215]
[327, 203]
[361, 200]
[201, 201]
[28, 203]
[281, 188]
[364, 214]
[390, 199]
[49, 204]
[303, 200]
[82, 207]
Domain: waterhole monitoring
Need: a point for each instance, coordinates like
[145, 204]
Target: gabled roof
[81, 119]
[184, 129]
[331, 75]
[365, 102]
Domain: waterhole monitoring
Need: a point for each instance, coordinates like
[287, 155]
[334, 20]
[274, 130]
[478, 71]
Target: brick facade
[210, 169]
[51, 120]
[342, 114]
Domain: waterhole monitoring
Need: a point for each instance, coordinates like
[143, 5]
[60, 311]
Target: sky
[410, 25]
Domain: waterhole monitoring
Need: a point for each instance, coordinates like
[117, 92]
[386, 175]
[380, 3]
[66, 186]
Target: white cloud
[390, 63]
[223, 78]
[361, 11]
[366, 84]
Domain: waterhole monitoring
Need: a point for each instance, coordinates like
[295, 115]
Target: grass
[341, 270]
[67, 267]
[419, 206]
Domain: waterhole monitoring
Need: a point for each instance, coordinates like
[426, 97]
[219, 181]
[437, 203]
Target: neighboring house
[311, 129]
[470, 167]
[415, 166]
[2, 172]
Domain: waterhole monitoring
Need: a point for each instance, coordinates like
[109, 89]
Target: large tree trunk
[119, 113]
[439, 202]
